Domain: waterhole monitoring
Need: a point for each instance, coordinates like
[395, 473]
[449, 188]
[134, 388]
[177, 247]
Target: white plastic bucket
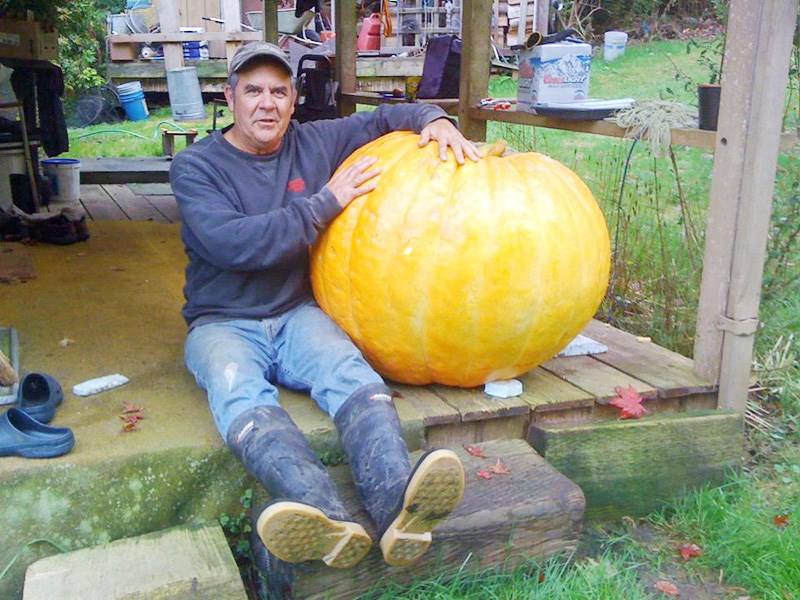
[65, 177]
[614, 44]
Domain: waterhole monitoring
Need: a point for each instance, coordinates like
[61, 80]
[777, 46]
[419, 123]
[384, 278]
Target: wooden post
[269, 8]
[475, 62]
[232, 12]
[759, 41]
[345, 52]
[168, 20]
[542, 22]
[523, 21]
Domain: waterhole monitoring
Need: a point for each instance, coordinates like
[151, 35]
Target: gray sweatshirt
[248, 220]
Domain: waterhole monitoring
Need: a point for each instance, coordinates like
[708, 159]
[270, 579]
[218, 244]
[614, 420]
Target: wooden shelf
[694, 138]
[450, 105]
[177, 37]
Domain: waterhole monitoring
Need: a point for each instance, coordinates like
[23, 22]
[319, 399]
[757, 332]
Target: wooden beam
[759, 43]
[542, 21]
[269, 9]
[523, 20]
[178, 37]
[168, 20]
[345, 53]
[475, 64]
[232, 11]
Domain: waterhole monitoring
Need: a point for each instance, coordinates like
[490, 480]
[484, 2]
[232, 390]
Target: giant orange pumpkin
[462, 275]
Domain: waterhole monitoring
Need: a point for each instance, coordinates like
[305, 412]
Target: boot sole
[296, 532]
[433, 492]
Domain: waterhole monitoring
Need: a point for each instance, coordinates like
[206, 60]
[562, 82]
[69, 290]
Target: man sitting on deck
[252, 198]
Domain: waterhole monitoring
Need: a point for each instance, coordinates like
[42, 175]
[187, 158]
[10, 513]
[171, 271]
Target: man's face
[262, 105]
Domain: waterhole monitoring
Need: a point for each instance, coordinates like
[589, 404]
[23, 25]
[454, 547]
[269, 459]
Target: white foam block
[99, 384]
[505, 388]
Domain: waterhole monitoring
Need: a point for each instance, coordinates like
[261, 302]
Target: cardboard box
[553, 73]
[27, 40]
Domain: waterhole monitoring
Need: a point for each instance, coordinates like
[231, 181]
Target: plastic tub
[614, 44]
[65, 177]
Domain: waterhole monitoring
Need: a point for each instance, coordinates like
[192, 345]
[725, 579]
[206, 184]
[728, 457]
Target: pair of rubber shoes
[23, 429]
[297, 532]
[308, 521]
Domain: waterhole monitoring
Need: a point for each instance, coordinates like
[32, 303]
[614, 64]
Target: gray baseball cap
[248, 52]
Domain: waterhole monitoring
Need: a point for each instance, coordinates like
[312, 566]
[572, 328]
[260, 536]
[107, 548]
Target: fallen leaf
[476, 451]
[132, 418]
[66, 342]
[126, 427]
[130, 408]
[484, 474]
[118, 269]
[667, 587]
[690, 551]
[541, 576]
[629, 401]
[500, 468]
[781, 521]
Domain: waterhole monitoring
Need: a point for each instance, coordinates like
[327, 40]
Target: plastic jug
[369, 38]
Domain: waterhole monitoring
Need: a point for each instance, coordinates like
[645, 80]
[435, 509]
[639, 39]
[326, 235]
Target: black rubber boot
[405, 504]
[307, 520]
[272, 578]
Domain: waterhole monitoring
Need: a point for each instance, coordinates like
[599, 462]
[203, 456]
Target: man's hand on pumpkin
[443, 131]
[356, 180]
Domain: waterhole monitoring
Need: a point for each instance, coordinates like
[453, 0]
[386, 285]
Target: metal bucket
[185, 98]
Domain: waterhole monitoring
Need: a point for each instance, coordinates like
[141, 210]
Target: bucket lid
[61, 161]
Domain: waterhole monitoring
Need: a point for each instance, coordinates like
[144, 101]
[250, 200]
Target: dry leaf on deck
[500, 468]
[629, 401]
[476, 451]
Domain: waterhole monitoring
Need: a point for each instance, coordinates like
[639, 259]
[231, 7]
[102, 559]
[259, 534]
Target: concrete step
[533, 511]
[173, 564]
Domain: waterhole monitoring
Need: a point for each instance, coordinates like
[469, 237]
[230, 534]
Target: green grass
[136, 138]
[606, 577]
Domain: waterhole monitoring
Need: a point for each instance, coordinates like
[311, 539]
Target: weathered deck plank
[99, 206]
[668, 371]
[167, 206]
[138, 208]
[596, 377]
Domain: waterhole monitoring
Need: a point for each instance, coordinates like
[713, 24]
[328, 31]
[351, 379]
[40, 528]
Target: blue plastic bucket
[132, 99]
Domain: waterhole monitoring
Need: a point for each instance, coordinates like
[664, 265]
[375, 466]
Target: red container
[369, 38]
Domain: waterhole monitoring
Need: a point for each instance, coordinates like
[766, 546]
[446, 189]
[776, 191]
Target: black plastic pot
[708, 106]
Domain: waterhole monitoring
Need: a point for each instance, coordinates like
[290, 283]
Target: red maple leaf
[629, 401]
[690, 551]
[667, 587]
[130, 408]
[484, 474]
[499, 468]
[781, 521]
[476, 451]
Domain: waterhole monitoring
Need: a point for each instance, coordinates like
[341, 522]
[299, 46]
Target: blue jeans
[237, 362]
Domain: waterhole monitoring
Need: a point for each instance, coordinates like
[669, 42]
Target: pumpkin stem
[494, 149]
